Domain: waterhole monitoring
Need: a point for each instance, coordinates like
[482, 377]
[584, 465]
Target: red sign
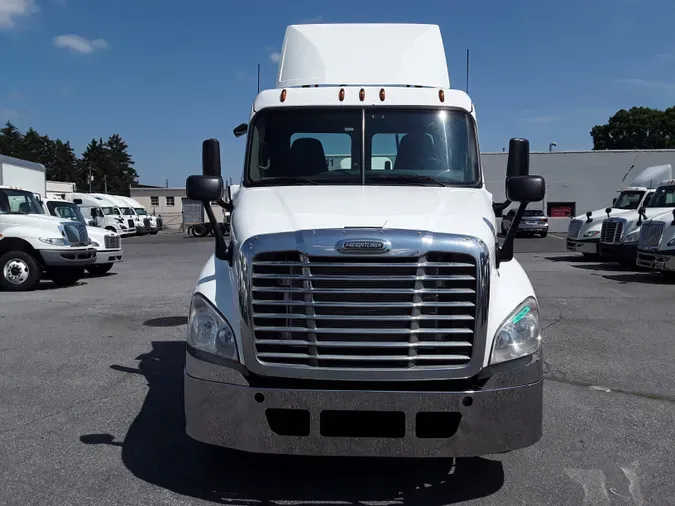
[561, 212]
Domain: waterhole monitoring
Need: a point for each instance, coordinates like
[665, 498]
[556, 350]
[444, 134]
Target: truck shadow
[157, 450]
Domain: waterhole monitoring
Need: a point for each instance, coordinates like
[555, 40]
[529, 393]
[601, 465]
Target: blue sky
[167, 75]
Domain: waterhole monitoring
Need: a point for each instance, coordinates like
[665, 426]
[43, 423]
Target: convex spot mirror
[204, 188]
[525, 189]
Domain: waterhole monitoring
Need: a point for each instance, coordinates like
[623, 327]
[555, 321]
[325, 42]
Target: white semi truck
[146, 220]
[619, 236]
[656, 248]
[108, 244]
[359, 311]
[99, 211]
[583, 233]
[133, 220]
[34, 245]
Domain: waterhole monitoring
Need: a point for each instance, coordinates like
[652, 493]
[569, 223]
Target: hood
[97, 233]
[435, 209]
[592, 230]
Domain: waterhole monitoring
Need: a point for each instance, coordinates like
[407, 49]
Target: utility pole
[258, 77]
[105, 184]
[467, 71]
[91, 178]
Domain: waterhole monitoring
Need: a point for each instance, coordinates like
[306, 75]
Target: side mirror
[204, 188]
[642, 214]
[519, 158]
[240, 130]
[525, 189]
[77, 201]
[614, 201]
[588, 217]
[211, 158]
[608, 211]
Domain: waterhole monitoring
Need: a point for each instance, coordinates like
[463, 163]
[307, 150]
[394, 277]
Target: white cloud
[12, 9]
[275, 56]
[79, 44]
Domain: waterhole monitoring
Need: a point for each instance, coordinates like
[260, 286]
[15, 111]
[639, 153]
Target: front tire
[98, 269]
[66, 276]
[19, 271]
[544, 234]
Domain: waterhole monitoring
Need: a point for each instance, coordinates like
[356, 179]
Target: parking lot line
[558, 237]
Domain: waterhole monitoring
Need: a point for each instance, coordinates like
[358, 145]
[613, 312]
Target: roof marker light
[441, 95]
[283, 95]
[382, 95]
[341, 95]
[362, 94]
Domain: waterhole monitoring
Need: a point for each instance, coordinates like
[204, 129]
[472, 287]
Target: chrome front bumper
[500, 414]
[655, 260]
[579, 246]
[109, 256]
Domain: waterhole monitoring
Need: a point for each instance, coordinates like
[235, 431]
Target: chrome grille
[574, 229]
[365, 313]
[611, 231]
[146, 222]
[131, 223]
[650, 234]
[112, 242]
[76, 233]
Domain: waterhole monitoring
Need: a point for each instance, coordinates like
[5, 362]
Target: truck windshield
[126, 211]
[66, 210]
[628, 200]
[19, 202]
[664, 196]
[140, 211]
[107, 211]
[430, 147]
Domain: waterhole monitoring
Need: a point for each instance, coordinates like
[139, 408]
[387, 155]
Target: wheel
[200, 230]
[544, 234]
[20, 271]
[98, 269]
[153, 231]
[669, 275]
[66, 276]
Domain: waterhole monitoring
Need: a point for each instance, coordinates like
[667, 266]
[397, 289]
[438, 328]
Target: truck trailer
[355, 310]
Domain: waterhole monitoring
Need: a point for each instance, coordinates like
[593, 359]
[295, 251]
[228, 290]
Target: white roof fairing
[363, 54]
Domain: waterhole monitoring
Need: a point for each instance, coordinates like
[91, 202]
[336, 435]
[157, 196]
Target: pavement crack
[561, 378]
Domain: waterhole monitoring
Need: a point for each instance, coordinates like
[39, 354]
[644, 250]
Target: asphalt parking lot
[91, 411]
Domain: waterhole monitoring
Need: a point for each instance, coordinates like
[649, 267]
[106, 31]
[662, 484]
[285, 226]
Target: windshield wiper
[416, 178]
[273, 181]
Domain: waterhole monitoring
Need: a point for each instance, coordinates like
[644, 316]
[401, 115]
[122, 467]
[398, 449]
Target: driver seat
[413, 150]
[307, 157]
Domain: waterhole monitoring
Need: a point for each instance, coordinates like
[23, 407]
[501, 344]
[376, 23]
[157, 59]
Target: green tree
[95, 163]
[636, 128]
[121, 166]
[11, 140]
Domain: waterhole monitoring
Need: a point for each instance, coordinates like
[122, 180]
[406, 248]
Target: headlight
[208, 331]
[519, 335]
[592, 233]
[634, 236]
[54, 241]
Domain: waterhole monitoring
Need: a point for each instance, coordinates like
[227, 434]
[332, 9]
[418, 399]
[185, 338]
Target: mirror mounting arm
[228, 206]
[505, 253]
[222, 252]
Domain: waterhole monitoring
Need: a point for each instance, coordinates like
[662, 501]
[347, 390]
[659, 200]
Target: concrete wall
[590, 179]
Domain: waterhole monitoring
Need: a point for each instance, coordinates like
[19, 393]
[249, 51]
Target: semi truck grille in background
[146, 222]
[112, 242]
[364, 312]
[611, 231]
[76, 233]
[160, 224]
[650, 234]
[574, 229]
[131, 223]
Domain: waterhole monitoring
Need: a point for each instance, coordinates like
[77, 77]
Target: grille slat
[374, 313]
[650, 234]
[112, 242]
[131, 223]
[612, 230]
[574, 229]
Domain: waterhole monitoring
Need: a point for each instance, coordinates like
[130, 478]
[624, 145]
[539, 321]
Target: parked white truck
[34, 245]
[108, 244]
[132, 220]
[619, 236]
[100, 211]
[358, 311]
[146, 220]
[656, 248]
[583, 233]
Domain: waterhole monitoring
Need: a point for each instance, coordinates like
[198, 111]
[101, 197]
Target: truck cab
[583, 233]
[620, 235]
[134, 223]
[34, 245]
[108, 244]
[656, 246]
[357, 310]
[99, 211]
[144, 219]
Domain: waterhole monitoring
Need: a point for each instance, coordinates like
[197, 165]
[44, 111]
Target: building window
[154, 201]
[561, 209]
[170, 201]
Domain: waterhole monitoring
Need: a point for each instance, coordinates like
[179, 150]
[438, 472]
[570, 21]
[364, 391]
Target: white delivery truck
[656, 248]
[148, 222]
[359, 311]
[619, 236]
[583, 233]
[108, 244]
[32, 244]
[130, 217]
[99, 211]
